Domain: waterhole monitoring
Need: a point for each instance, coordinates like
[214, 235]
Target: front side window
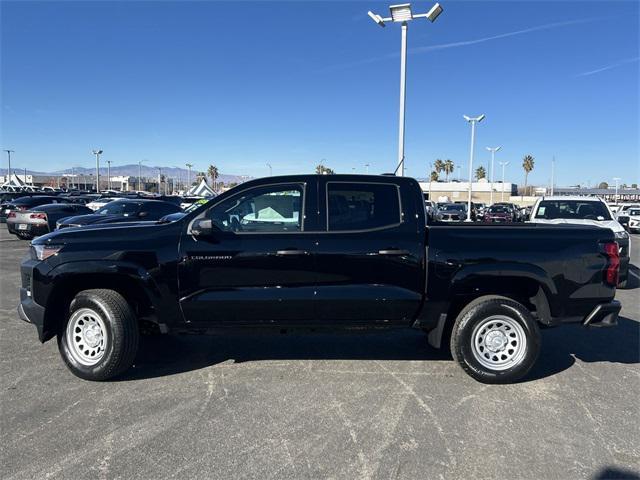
[269, 209]
[362, 206]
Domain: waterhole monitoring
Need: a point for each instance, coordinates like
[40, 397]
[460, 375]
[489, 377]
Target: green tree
[481, 173]
[448, 168]
[212, 171]
[434, 176]
[528, 163]
[634, 185]
[603, 185]
[438, 166]
[322, 170]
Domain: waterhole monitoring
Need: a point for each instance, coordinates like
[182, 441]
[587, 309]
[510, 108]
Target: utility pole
[189, 165]
[270, 169]
[109, 174]
[366, 166]
[493, 156]
[473, 122]
[617, 180]
[503, 164]
[553, 180]
[9, 152]
[97, 153]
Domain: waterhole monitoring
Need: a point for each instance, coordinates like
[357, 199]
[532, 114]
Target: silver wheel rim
[86, 336]
[499, 342]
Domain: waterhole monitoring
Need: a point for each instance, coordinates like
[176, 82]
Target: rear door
[371, 254]
[258, 266]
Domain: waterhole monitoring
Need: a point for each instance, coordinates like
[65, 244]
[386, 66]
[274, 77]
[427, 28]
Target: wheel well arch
[526, 290]
[65, 289]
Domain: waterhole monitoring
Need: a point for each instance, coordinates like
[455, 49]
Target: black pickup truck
[316, 251]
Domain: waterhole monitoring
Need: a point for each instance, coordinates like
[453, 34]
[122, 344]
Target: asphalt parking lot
[319, 406]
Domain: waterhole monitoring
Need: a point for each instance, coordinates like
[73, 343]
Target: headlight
[42, 252]
[622, 235]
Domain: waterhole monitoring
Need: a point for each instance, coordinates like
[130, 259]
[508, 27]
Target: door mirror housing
[202, 227]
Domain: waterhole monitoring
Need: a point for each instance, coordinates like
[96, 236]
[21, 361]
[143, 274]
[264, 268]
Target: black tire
[487, 311]
[119, 344]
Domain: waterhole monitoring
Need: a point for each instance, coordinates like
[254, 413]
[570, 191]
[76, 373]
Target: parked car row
[30, 216]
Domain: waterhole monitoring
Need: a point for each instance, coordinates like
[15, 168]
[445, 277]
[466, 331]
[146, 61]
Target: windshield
[452, 208]
[119, 208]
[499, 209]
[634, 212]
[196, 204]
[572, 209]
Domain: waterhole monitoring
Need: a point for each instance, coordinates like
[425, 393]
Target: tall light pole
[270, 169]
[493, 151]
[617, 180]
[553, 171]
[9, 152]
[159, 181]
[459, 167]
[179, 179]
[366, 166]
[473, 122]
[403, 14]
[109, 174]
[97, 153]
[140, 174]
[503, 164]
[189, 165]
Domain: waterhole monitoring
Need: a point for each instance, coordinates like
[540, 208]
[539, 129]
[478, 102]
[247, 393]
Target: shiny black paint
[342, 279]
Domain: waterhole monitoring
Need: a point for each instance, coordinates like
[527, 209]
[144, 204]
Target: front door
[257, 267]
[371, 255]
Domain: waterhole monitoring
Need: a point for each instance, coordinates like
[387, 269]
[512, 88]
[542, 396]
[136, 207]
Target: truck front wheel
[99, 339]
[495, 340]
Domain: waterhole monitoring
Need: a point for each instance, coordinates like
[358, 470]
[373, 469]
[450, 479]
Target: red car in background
[498, 214]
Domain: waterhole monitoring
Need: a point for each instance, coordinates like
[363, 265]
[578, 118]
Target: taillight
[11, 215]
[39, 216]
[611, 250]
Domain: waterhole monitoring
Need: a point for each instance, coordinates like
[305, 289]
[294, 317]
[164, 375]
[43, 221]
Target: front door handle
[393, 251]
[291, 252]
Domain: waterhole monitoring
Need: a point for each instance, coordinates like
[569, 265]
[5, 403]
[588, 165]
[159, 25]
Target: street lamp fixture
[617, 180]
[472, 121]
[402, 14]
[140, 174]
[493, 151]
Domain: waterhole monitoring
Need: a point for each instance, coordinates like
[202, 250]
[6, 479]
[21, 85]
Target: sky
[295, 84]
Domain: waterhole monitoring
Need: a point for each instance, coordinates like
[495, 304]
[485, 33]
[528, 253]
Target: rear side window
[362, 206]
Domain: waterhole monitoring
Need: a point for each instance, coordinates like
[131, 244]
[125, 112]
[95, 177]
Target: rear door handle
[292, 252]
[393, 251]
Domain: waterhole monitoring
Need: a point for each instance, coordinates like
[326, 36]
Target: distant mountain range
[147, 171]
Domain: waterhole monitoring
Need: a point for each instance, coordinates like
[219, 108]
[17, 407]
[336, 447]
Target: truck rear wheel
[99, 339]
[495, 340]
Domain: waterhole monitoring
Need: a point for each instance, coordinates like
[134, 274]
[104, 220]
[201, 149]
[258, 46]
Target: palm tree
[434, 176]
[448, 168]
[438, 165]
[213, 173]
[322, 170]
[480, 173]
[528, 164]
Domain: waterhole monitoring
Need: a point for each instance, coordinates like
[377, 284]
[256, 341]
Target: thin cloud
[465, 43]
[608, 67]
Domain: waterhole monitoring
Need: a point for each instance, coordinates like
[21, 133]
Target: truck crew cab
[320, 251]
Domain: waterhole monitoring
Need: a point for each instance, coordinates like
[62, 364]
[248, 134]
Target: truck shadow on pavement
[633, 280]
[172, 354]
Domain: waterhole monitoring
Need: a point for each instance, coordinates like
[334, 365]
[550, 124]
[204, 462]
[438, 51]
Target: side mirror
[202, 227]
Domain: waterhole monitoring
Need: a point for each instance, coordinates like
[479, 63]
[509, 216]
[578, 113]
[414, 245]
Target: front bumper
[31, 312]
[604, 315]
